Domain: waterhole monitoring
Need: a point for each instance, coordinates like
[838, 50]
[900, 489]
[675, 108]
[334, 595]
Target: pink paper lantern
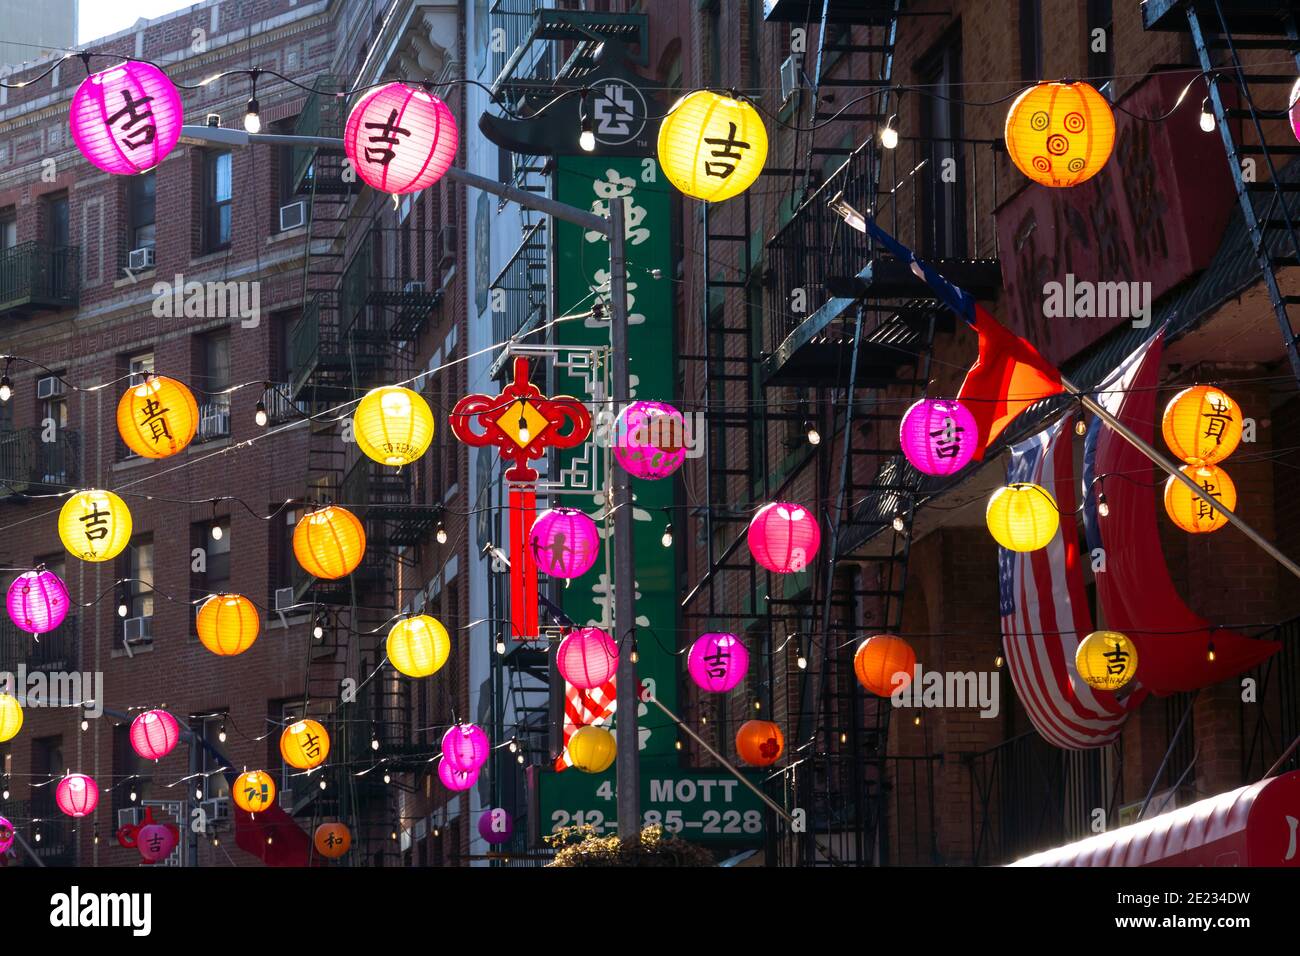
[784, 537]
[6, 835]
[650, 440]
[155, 841]
[465, 747]
[127, 118]
[717, 662]
[938, 437]
[587, 658]
[38, 601]
[496, 825]
[77, 795]
[454, 779]
[1294, 109]
[400, 139]
[564, 542]
[154, 733]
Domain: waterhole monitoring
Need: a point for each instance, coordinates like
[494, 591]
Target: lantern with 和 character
[564, 542]
[1106, 660]
[1022, 516]
[400, 139]
[127, 118]
[1060, 134]
[1189, 510]
[77, 795]
[332, 840]
[393, 425]
[254, 791]
[38, 601]
[592, 749]
[879, 661]
[759, 743]
[95, 525]
[717, 662]
[329, 543]
[158, 417]
[1201, 425]
[418, 646]
[227, 624]
[711, 146]
[304, 745]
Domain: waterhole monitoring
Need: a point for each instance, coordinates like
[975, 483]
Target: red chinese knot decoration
[400, 139]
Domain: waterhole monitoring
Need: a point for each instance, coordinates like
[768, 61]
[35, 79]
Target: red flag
[1007, 378]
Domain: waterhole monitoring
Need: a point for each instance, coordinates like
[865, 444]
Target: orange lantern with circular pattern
[878, 659]
[1202, 425]
[329, 543]
[158, 417]
[228, 624]
[1191, 512]
[759, 743]
[1060, 134]
[254, 791]
[332, 840]
[304, 745]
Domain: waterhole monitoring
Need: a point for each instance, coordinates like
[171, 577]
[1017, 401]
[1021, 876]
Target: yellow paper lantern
[1191, 512]
[11, 717]
[254, 791]
[1022, 516]
[158, 417]
[592, 749]
[1106, 660]
[304, 744]
[95, 525]
[712, 147]
[1060, 134]
[418, 646]
[393, 425]
[1202, 425]
[329, 543]
[228, 624]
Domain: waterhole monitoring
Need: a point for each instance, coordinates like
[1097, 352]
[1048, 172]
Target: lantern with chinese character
[304, 745]
[228, 624]
[587, 658]
[332, 840]
[254, 791]
[393, 425]
[938, 436]
[37, 601]
[127, 118]
[1022, 516]
[418, 646]
[564, 542]
[717, 662]
[465, 747]
[711, 146]
[592, 749]
[1106, 660]
[496, 825]
[154, 734]
[158, 417]
[1201, 425]
[76, 795]
[6, 835]
[759, 743]
[95, 525]
[400, 139]
[1190, 511]
[879, 660]
[454, 779]
[155, 841]
[11, 717]
[650, 440]
[784, 537]
[1060, 134]
[329, 543]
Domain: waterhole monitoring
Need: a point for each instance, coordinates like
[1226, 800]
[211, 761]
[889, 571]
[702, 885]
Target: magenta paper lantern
[400, 139]
[465, 747]
[496, 825]
[127, 118]
[6, 835]
[154, 733]
[938, 437]
[454, 779]
[155, 841]
[1295, 109]
[564, 542]
[717, 662]
[38, 601]
[587, 658]
[650, 440]
[784, 537]
[77, 795]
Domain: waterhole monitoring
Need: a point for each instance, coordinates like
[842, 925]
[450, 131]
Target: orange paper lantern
[158, 417]
[1201, 425]
[254, 791]
[228, 624]
[329, 543]
[1060, 134]
[759, 742]
[1191, 512]
[879, 658]
[304, 744]
[332, 840]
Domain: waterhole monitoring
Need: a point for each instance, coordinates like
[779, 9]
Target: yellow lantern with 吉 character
[712, 147]
[1022, 516]
[95, 525]
[393, 425]
[158, 417]
[592, 749]
[1201, 425]
[1060, 134]
[418, 646]
[1190, 511]
[1106, 660]
[304, 744]
[11, 717]
[254, 791]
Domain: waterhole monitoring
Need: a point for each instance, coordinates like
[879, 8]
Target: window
[136, 564]
[8, 228]
[56, 220]
[1101, 61]
[213, 368]
[140, 207]
[1031, 40]
[943, 204]
[282, 713]
[130, 771]
[47, 761]
[139, 366]
[217, 194]
[209, 727]
[210, 569]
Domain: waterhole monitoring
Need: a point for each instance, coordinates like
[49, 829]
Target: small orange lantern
[1191, 512]
[304, 744]
[1202, 425]
[879, 659]
[759, 742]
[157, 418]
[254, 791]
[1060, 134]
[228, 624]
[332, 840]
[329, 543]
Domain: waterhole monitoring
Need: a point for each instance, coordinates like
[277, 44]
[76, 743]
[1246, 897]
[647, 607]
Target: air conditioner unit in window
[137, 630]
[284, 599]
[49, 387]
[447, 237]
[216, 810]
[141, 258]
[790, 76]
[293, 215]
[413, 286]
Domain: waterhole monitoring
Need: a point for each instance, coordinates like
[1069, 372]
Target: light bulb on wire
[1207, 117]
[889, 135]
[442, 532]
[667, 539]
[6, 388]
[259, 415]
[252, 117]
[814, 436]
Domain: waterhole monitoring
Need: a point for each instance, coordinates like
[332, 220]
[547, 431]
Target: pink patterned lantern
[154, 733]
[717, 662]
[784, 537]
[496, 825]
[77, 795]
[587, 658]
[38, 601]
[127, 118]
[6, 836]
[454, 779]
[938, 437]
[564, 542]
[155, 841]
[650, 440]
[465, 747]
[400, 139]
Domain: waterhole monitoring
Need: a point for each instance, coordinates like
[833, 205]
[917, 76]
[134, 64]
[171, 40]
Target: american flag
[583, 707]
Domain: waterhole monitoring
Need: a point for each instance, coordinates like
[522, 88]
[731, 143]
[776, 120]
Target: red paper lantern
[587, 658]
[400, 139]
[154, 733]
[77, 795]
[784, 537]
[879, 658]
[759, 742]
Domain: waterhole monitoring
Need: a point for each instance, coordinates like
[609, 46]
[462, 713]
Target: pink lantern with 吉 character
[587, 658]
[465, 747]
[454, 779]
[6, 836]
[127, 118]
[154, 733]
[564, 542]
[400, 139]
[938, 436]
[496, 825]
[76, 795]
[38, 601]
[783, 537]
[650, 440]
[155, 841]
[717, 662]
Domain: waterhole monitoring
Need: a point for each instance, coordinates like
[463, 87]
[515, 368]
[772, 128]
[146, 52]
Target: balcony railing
[279, 407]
[31, 465]
[321, 115]
[1271, 723]
[55, 846]
[328, 353]
[55, 651]
[35, 276]
[521, 286]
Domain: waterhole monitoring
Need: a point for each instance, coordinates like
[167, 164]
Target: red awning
[1253, 826]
